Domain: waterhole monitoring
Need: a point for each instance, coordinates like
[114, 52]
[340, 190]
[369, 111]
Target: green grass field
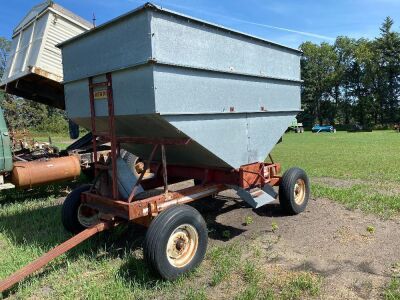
[62, 141]
[359, 170]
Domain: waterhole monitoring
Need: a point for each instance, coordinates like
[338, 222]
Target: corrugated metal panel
[34, 40]
[26, 45]
[59, 30]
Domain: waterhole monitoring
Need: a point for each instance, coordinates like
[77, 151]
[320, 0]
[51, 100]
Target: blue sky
[288, 22]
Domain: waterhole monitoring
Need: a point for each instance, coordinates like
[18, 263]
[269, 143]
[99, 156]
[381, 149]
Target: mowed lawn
[365, 155]
[360, 170]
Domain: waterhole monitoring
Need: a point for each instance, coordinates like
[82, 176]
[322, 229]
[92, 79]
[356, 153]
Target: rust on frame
[150, 206]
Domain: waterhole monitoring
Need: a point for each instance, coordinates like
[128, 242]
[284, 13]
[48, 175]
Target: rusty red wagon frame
[211, 181]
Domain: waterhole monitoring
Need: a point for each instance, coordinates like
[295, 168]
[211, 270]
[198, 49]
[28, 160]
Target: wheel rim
[299, 191]
[182, 245]
[87, 216]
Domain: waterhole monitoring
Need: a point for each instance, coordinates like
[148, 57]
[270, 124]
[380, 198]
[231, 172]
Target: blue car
[323, 128]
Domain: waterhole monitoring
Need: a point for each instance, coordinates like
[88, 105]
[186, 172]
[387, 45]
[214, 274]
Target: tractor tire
[76, 217]
[294, 191]
[176, 242]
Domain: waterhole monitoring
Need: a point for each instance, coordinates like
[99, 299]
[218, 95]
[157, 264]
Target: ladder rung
[105, 83]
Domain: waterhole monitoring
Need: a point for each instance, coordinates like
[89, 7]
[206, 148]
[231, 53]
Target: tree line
[352, 81]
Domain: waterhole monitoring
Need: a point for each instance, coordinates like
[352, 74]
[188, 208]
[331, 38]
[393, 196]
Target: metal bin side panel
[178, 40]
[133, 94]
[191, 91]
[125, 44]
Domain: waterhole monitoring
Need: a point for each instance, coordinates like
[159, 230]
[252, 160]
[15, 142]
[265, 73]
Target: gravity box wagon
[193, 100]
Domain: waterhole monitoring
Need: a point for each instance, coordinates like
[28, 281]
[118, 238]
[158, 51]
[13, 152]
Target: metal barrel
[34, 173]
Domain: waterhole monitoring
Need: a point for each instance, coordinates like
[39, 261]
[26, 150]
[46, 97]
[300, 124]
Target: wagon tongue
[52, 254]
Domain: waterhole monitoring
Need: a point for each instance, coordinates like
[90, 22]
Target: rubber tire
[160, 230]
[286, 191]
[69, 211]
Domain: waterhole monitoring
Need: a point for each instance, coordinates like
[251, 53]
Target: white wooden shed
[34, 67]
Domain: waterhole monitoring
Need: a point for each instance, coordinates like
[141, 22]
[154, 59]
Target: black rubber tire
[155, 243]
[286, 191]
[69, 211]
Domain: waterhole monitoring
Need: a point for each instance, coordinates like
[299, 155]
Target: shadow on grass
[136, 272]
[211, 208]
[42, 228]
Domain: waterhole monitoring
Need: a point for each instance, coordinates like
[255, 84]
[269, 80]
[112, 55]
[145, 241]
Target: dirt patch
[338, 183]
[385, 188]
[355, 254]
[326, 239]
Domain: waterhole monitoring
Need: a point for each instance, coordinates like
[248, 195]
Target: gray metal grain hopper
[173, 76]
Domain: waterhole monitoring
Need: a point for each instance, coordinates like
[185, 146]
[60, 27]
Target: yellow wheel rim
[182, 245]
[299, 191]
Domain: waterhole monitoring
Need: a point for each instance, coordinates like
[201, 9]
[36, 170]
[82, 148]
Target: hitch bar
[52, 254]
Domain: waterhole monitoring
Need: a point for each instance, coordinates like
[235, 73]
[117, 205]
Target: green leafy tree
[5, 46]
[388, 54]
[353, 81]
[318, 75]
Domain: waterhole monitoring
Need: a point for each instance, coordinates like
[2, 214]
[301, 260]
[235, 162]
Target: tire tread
[286, 198]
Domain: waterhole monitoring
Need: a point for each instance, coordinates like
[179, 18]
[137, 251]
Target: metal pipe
[164, 164]
[33, 173]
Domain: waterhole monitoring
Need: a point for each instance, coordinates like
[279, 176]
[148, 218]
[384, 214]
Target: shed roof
[41, 7]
